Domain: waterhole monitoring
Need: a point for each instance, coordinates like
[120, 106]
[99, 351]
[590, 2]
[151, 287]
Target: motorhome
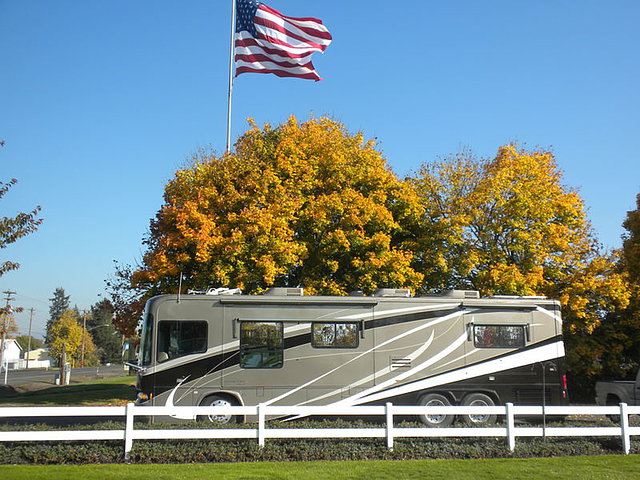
[286, 348]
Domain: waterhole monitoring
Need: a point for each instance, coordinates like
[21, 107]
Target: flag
[268, 42]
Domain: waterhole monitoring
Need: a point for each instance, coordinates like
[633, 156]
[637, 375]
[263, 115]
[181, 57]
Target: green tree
[104, 334]
[59, 304]
[631, 244]
[303, 204]
[23, 341]
[67, 333]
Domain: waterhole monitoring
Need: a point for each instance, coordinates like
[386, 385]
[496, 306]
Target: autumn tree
[303, 204]
[16, 227]
[508, 225]
[67, 334]
[614, 348]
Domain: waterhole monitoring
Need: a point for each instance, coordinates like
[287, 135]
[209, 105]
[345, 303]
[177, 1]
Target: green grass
[611, 467]
[107, 391]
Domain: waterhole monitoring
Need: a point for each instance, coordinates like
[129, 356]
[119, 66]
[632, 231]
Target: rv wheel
[219, 401]
[478, 400]
[437, 420]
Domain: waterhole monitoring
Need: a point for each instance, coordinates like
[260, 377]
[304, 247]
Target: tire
[436, 400]
[478, 400]
[219, 401]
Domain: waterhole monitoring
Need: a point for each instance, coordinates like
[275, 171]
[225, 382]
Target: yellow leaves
[310, 204]
[66, 333]
[498, 278]
[297, 204]
[508, 225]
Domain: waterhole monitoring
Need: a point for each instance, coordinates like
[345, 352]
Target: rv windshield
[147, 337]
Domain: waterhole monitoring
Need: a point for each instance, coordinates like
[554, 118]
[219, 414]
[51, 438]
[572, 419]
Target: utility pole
[4, 328]
[31, 310]
[84, 333]
[63, 361]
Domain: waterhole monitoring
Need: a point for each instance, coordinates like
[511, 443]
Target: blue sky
[100, 103]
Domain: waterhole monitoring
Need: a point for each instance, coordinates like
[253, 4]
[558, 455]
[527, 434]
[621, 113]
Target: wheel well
[612, 399]
[233, 396]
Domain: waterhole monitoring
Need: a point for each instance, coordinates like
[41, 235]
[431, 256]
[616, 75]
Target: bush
[191, 451]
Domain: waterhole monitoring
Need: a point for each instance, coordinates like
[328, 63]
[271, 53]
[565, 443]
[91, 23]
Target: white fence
[388, 431]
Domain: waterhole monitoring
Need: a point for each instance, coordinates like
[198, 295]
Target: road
[15, 378]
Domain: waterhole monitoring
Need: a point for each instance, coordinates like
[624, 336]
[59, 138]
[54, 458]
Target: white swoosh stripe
[518, 359]
[440, 355]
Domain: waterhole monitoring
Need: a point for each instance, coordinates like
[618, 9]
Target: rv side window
[176, 339]
[498, 336]
[334, 335]
[261, 344]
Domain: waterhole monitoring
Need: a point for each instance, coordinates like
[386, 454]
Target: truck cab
[619, 391]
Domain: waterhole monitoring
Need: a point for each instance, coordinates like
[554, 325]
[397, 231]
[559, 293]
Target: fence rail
[261, 433]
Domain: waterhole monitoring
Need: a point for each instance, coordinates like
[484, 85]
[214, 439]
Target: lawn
[107, 391]
[609, 467]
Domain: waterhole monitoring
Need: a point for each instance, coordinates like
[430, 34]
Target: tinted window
[334, 335]
[146, 342]
[177, 339]
[498, 336]
[261, 344]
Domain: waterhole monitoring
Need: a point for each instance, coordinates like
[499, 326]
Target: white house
[12, 353]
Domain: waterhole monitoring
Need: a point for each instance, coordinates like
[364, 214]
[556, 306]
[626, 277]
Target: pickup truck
[614, 393]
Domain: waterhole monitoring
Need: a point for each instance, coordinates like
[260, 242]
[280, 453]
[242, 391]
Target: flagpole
[231, 72]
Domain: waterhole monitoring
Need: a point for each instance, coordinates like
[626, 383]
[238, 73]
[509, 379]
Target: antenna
[179, 287]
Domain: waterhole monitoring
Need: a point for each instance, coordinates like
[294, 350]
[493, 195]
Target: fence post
[389, 415]
[261, 407]
[511, 432]
[624, 428]
[128, 430]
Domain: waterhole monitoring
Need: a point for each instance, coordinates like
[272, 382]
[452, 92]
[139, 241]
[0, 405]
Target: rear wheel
[219, 401]
[478, 400]
[435, 420]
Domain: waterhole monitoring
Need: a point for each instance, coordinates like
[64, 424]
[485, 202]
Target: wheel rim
[219, 402]
[478, 418]
[436, 419]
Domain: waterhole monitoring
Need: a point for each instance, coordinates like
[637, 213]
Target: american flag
[268, 42]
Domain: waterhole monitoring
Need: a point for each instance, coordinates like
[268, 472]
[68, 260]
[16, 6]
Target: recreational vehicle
[286, 348]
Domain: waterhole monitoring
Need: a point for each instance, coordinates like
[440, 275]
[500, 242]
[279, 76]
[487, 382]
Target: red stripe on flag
[250, 42]
[279, 73]
[257, 58]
